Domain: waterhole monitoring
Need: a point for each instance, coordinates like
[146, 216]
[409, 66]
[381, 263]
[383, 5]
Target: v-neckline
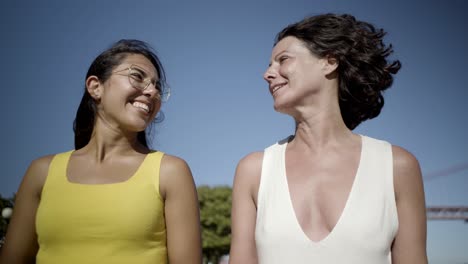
[296, 223]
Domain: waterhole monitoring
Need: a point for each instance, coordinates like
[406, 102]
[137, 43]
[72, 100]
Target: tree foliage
[215, 219]
[4, 202]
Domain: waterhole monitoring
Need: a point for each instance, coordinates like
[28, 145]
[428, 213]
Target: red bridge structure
[447, 212]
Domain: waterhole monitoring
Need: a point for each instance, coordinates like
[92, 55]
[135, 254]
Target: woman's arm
[181, 211]
[409, 245]
[21, 240]
[244, 210]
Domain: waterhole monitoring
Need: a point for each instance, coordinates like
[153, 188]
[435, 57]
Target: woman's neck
[320, 125]
[106, 142]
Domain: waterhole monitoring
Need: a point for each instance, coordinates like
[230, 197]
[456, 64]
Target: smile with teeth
[277, 87]
[141, 106]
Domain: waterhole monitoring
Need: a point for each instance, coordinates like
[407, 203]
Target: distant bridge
[447, 213]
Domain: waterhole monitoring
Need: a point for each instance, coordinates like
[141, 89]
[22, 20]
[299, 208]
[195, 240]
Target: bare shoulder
[252, 161]
[248, 173]
[403, 159]
[42, 163]
[174, 173]
[174, 165]
[405, 164]
[36, 174]
[250, 166]
[407, 173]
[409, 245]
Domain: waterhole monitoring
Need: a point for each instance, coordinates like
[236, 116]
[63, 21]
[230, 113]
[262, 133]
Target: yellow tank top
[105, 223]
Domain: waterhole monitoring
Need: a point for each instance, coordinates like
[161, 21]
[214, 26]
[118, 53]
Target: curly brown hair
[363, 69]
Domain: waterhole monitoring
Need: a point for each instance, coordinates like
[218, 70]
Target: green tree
[215, 218]
[4, 202]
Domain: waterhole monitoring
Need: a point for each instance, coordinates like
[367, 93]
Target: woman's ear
[330, 65]
[94, 87]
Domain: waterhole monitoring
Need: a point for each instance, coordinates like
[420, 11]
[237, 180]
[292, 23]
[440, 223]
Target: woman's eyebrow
[276, 57]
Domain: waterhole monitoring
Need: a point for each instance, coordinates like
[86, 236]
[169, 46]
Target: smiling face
[295, 75]
[121, 103]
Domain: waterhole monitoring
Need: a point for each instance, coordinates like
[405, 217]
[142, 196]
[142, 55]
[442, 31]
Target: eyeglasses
[138, 80]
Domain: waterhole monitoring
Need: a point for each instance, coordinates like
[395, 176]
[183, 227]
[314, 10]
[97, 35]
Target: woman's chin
[281, 106]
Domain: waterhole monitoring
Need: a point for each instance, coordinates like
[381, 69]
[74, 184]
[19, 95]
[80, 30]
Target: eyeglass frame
[157, 84]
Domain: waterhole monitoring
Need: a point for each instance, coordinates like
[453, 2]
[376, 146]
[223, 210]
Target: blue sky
[215, 53]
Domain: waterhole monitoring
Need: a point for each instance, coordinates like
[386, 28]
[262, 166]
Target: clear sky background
[215, 53]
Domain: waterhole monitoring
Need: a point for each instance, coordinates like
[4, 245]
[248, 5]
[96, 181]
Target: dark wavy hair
[363, 69]
[102, 68]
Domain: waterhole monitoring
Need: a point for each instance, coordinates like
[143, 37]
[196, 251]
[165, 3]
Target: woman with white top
[326, 194]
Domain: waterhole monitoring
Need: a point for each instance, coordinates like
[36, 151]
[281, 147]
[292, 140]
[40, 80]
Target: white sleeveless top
[364, 232]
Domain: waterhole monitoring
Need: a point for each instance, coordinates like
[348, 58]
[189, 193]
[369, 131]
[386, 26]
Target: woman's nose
[269, 75]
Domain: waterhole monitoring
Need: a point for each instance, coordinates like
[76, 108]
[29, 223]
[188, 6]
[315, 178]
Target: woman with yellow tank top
[112, 199]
